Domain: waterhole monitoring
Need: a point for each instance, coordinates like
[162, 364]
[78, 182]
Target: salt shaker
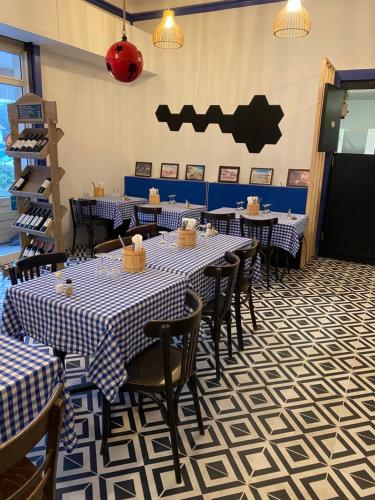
[69, 288]
[59, 285]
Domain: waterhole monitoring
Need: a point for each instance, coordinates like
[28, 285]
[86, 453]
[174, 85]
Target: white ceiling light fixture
[168, 34]
[293, 21]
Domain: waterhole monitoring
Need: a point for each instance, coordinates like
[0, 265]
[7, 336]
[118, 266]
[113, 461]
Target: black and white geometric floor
[293, 416]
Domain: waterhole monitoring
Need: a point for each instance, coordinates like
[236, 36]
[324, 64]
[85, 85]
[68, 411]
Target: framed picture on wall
[298, 178]
[194, 172]
[229, 174]
[169, 171]
[143, 169]
[261, 176]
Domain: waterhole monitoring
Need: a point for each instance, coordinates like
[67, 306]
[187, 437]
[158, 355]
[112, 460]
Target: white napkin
[137, 241]
[190, 223]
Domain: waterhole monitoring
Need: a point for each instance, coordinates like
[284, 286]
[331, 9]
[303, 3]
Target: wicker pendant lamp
[293, 21]
[168, 34]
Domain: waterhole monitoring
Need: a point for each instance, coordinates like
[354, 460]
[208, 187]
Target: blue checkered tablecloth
[171, 216]
[104, 319]
[28, 378]
[286, 234]
[190, 262]
[115, 208]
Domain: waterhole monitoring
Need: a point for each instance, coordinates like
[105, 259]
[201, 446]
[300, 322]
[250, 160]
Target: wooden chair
[244, 285]
[163, 369]
[82, 217]
[19, 478]
[29, 267]
[146, 230]
[218, 220]
[111, 245]
[150, 211]
[262, 229]
[218, 309]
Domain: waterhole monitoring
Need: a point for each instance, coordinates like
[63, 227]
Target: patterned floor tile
[293, 416]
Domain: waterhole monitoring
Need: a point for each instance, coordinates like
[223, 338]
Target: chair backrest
[146, 230]
[29, 267]
[111, 245]
[81, 210]
[245, 254]
[186, 330]
[154, 211]
[229, 272]
[221, 222]
[42, 482]
[261, 229]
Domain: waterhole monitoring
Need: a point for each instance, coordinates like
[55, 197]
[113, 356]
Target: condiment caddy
[252, 205]
[187, 234]
[134, 255]
[153, 196]
[99, 189]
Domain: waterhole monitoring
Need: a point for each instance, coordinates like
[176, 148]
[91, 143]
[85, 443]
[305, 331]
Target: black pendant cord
[124, 37]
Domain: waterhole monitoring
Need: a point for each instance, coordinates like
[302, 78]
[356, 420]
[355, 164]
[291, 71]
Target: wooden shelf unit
[31, 109]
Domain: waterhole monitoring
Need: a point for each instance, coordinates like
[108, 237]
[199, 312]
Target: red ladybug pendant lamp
[124, 61]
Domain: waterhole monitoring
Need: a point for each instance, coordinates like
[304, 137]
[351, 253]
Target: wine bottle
[29, 216]
[46, 224]
[45, 185]
[34, 220]
[41, 144]
[28, 249]
[19, 185]
[16, 145]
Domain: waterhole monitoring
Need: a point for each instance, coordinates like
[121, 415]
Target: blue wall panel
[281, 198]
[193, 191]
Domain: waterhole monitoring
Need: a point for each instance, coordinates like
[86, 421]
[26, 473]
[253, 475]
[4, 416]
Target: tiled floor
[293, 416]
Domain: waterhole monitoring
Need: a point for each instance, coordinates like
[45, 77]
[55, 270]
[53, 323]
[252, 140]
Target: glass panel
[9, 240]
[8, 94]
[10, 65]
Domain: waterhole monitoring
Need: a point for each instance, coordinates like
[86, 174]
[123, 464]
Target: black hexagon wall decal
[254, 125]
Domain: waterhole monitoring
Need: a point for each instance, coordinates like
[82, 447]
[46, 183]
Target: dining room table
[164, 254]
[171, 215]
[287, 234]
[28, 378]
[103, 319]
[115, 208]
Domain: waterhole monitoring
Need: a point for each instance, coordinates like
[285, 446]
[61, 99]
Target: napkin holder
[187, 238]
[253, 209]
[154, 199]
[133, 261]
[98, 191]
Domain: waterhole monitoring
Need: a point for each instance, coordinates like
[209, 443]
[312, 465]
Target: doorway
[347, 229]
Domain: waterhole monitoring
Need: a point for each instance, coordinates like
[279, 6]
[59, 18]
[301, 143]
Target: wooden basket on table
[154, 199]
[187, 238]
[133, 261]
[98, 191]
[253, 209]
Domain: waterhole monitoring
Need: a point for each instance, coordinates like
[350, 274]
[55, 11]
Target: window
[13, 83]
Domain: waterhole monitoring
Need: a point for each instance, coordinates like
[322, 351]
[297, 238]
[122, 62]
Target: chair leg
[252, 310]
[228, 321]
[237, 309]
[140, 403]
[192, 384]
[174, 441]
[106, 423]
[74, 240]
[217, 348]
[60, 354]
[267, 259]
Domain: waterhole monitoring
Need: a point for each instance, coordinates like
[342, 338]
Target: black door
[349, 223]
[331, 118]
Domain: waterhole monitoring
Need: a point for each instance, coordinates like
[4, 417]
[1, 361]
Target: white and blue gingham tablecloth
[115, 208]
[104, 319]
[286, 234]
[190, 262]
[171, 216]
[28, 378]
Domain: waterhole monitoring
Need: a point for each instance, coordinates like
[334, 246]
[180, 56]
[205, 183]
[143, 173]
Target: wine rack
[38, 118]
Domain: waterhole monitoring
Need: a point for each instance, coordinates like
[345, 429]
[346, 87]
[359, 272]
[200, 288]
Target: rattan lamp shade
[168, 34]
[293, 21]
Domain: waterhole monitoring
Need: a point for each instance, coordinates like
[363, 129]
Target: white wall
[231, 55]
[93, 111]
